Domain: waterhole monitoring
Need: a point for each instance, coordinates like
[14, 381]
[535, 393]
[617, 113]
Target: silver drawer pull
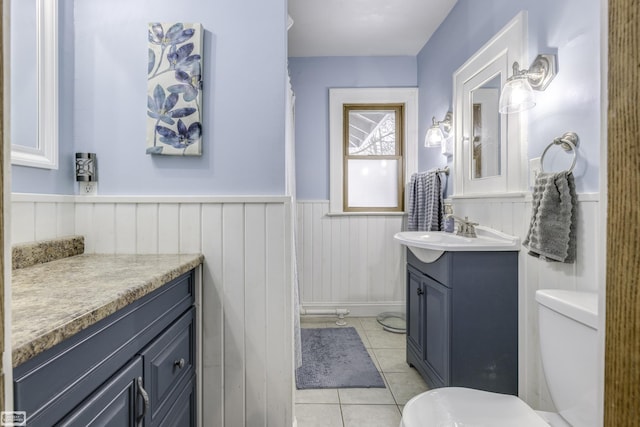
[179, 363]
[145, 397]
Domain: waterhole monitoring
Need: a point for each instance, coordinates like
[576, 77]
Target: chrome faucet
[466, 228]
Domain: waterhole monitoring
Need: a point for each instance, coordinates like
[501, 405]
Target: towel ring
[569, 142]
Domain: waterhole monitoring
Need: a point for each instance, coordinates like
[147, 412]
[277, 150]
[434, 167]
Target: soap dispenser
[449, 222]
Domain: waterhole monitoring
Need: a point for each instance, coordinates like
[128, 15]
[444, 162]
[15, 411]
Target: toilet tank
[568, 323]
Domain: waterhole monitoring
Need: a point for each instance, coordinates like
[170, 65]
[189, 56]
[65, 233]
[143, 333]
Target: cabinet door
[183, 410]
[437, 332]
[415, 304]
[113, 404]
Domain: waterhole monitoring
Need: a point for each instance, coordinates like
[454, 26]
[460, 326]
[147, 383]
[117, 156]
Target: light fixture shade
[517, 96]
[434, 137]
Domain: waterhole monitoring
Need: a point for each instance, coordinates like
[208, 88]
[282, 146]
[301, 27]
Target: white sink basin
[428, 246]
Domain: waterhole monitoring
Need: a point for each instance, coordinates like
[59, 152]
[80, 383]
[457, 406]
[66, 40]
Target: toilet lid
[465, 407]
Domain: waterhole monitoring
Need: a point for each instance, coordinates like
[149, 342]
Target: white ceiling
[363, 27]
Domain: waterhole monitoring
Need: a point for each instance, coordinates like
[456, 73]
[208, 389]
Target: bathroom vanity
[106, 339]
[462, 319]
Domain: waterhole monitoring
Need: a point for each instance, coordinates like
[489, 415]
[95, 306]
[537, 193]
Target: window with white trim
[373, 142]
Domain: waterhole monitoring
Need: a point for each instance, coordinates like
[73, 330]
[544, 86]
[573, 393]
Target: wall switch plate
[535, 167]
[88, 188]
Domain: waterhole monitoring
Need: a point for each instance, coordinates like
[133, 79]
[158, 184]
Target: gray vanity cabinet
[462, 320]
[136, 368]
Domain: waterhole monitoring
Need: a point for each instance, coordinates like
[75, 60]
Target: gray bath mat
[335, 358]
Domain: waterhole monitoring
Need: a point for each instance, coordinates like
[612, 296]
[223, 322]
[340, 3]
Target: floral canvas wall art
[174, 89]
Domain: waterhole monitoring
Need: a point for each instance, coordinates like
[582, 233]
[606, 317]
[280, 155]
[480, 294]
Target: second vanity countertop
[53, 301]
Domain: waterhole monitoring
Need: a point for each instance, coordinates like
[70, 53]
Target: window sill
[366, 213]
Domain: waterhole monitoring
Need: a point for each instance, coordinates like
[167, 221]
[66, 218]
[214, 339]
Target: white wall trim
[520, 196]
[339, 214]
[359, 309]
[602, 226]
[589, 197]
[582, 197]
[60, 198]
[44, 198]
[5, 360]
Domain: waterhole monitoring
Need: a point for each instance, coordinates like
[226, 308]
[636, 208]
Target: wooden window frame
[399, 156]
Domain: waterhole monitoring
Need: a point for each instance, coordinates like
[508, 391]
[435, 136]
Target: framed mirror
[485, 149]
[33, 82]
[490, 148]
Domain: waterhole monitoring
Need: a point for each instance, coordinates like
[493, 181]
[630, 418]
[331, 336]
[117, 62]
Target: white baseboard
[360, 309]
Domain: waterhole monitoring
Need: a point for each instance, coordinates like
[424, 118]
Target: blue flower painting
[174, 92]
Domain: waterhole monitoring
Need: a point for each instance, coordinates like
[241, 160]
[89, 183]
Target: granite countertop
[55, 300]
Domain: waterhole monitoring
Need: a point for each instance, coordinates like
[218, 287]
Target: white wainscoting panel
[349, 261]
[35, 217]
[344, 261]
[168, 229]
[85, 226]
[147, 223]
[46, 220]
[103, 236]
[247, 359]
[125, 218]
[23, 222]
[512, 216]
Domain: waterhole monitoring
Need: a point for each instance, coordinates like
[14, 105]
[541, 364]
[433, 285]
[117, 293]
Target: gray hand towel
[552, 232]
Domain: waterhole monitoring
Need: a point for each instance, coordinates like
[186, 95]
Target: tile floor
[363, 407]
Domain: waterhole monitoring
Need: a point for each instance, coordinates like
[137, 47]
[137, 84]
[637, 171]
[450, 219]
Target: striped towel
[426, 208]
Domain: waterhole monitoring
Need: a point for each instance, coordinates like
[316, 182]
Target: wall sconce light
[87, 173]
[517, 93]
[435, 137]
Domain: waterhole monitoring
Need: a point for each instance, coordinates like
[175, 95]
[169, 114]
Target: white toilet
[568, 343]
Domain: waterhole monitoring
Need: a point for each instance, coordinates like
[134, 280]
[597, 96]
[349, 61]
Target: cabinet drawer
[183, 410]
[167, 360]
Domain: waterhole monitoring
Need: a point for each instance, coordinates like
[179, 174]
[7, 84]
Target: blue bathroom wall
[47, 181]
[244, 99]
[570, 28]
[311, 79]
